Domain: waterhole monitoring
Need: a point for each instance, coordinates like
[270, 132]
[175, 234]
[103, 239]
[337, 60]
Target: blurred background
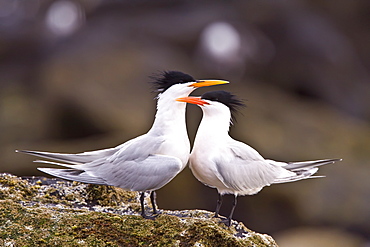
[74, 73]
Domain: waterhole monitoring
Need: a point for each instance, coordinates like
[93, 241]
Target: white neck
[215, 124]
[170, 116]
[170, 123]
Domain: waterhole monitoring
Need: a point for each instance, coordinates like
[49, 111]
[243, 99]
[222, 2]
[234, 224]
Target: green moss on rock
[51, 212]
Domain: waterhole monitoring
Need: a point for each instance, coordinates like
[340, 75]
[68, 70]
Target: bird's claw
[227, 222]
[149, 217]
[217, 216]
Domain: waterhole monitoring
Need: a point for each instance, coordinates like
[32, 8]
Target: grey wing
[137, 165]
[74, 175]
[75, 159]
[300, 170]
[134, 165]
[244, 151]
[90, 156]
[139, 148]
[302, 165]
[243, 169]
[150, 173]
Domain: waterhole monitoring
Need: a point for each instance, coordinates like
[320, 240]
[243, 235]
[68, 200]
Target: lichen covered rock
[52, 212]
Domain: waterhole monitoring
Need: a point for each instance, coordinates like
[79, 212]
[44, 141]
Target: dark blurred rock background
[73, 78]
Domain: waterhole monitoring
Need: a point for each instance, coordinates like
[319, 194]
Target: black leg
[228, 222]
[153, 197]
[142, 197]
[219, 203]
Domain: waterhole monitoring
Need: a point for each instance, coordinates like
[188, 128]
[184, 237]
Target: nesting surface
[38, 211]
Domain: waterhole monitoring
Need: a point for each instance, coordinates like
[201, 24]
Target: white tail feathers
[293, 166]
[75, 162]
[74, 159]
[74, 175]
[303, 169]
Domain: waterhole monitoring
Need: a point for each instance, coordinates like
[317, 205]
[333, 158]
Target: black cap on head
[166, 79]
[226, 98]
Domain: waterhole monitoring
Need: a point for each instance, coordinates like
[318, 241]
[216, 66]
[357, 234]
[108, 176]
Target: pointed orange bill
[206, 83]
[193, 100]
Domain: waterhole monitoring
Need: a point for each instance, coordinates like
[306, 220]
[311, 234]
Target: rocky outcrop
[37, 211]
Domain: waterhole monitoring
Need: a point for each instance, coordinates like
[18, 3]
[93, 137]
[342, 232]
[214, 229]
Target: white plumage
[230, 166]
[147, 162]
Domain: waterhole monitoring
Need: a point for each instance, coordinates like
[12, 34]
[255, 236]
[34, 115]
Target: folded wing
[243, 169]
[151, 173]
[134, 165]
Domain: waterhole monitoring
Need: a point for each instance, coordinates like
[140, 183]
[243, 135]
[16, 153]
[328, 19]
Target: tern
[147, 162]
[231, 166]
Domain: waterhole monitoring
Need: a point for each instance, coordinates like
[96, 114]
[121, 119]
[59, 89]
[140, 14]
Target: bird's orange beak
[207, 83]
[193, 100]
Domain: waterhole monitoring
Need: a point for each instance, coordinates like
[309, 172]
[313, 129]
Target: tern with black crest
[145, 163]
[231, 166]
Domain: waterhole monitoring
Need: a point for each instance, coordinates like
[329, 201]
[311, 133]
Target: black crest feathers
[166, 79]
[226, 98]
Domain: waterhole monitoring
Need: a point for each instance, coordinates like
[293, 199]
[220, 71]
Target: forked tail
[303, 169]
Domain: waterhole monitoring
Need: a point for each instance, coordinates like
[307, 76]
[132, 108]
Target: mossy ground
[54, 213]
